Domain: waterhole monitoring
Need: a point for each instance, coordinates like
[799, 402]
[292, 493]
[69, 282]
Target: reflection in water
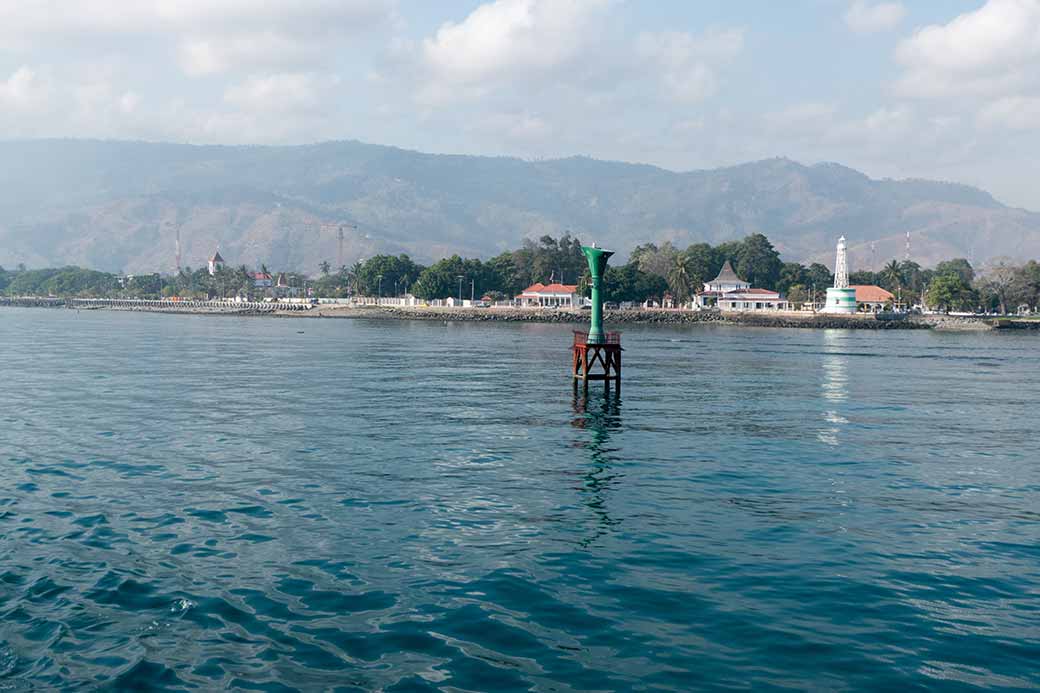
[600, 415]
[834, 386]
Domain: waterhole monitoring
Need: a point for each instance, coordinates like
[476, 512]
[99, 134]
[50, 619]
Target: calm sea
[261, 504]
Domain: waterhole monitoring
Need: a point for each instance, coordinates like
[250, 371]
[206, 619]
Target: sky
[943, 89]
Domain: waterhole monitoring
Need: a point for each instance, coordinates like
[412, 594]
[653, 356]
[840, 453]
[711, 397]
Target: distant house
[729, 292]
[872, 299]
[282, 289]
[262, 280]
[216, 263]
[550, 296]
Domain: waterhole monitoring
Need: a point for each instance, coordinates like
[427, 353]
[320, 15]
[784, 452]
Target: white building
[550, 296]
[216, 263]
[729, 292]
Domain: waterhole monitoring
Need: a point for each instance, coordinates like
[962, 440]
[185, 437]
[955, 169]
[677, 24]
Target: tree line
[651, 272]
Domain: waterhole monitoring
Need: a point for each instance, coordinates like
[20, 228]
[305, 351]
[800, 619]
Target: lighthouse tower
[840, 298]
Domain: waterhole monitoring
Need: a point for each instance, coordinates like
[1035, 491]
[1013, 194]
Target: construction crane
[339, 237]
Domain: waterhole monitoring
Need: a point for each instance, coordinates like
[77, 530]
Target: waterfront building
[262, 280]
[841, 298]
[731, 293]
[727, 281]
[283, 289]
[554, 295]
[216, 263]
[872, 299]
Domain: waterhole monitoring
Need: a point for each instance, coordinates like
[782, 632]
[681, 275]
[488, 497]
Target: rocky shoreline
[613, 317]
[623, 317]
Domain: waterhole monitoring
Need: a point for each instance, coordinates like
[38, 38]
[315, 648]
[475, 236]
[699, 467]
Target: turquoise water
[261, 504]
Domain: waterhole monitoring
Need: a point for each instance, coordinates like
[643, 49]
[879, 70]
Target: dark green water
[209, 503]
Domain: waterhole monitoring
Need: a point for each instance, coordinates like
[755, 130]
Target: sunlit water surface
[201, 502]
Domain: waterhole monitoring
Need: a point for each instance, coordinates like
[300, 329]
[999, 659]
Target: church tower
[215, 263]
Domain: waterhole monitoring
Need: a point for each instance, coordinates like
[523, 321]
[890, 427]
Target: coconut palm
[679, 279]
[892, 275]
[355, 276]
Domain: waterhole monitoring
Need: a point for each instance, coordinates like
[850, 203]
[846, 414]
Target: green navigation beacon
[597, 258]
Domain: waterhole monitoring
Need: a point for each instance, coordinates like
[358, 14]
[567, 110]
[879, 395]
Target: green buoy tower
[597, 354]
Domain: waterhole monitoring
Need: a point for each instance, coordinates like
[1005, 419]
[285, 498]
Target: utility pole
[459, 277]
[379, 287]
[472, 285]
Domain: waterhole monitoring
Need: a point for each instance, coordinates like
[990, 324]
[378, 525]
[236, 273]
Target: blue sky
[944, 89]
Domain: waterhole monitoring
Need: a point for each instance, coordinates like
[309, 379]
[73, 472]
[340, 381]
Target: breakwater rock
[32, 302]
[626, 317]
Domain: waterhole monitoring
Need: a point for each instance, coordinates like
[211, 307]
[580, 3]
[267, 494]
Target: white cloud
[284, 93]
[214, 55]
[212, 36]
[507, 37]
[25, 92]
[864, 17]
[992, 50]
[687, 63]
[1012, 112]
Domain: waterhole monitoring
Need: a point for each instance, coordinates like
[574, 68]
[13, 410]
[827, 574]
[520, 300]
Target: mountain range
[118, 206]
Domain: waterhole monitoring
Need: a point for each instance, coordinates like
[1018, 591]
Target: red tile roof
[539, 288]
[868, 293]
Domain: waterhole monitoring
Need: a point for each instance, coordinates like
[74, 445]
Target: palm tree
[679, 279]
[892, 275]
[325, 267]
[355, 277]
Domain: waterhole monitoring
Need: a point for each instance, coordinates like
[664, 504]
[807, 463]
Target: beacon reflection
[598, 417]
[834, 386]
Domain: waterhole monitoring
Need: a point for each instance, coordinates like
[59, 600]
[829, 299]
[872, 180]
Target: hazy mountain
[117, 205]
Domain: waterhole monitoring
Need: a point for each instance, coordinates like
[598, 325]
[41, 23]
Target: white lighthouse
[840, 298]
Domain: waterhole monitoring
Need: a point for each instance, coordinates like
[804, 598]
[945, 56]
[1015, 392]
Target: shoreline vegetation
[664, 317]
[655, 276]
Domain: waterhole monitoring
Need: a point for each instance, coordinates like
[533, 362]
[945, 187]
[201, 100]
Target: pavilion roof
[727, 275]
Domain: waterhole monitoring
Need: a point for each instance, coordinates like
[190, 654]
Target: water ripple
[225, 504]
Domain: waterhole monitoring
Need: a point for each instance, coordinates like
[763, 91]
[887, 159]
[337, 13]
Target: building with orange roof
[872, 299]
[553, 295]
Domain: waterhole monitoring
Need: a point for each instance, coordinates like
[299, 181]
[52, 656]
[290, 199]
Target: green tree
[791, 274]
[891, 278]
[797, 296]
[818, 277]
[949, 292]
[504, 276]
[863, 277]
[1027, 285]
[325, 268]
[385, 273]
[440, 280]
[961, 267]
[678, 279]
[758, 262]
[629, 283]
[702, 264]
